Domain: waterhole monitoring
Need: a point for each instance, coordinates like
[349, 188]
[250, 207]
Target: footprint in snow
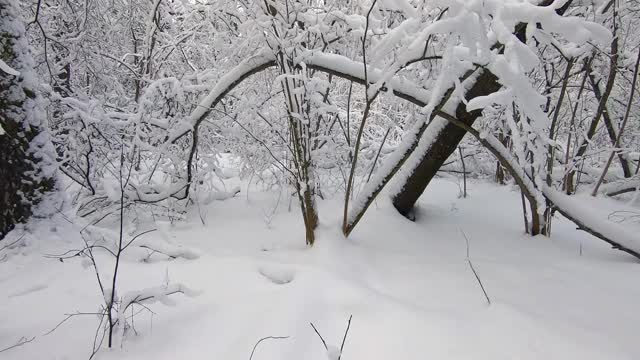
[277, 275]
[28, 290]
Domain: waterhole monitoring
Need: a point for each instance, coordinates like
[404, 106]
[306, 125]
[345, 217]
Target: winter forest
[312, 179]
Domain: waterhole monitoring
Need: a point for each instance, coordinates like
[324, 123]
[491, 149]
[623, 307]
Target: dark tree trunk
[608, 122]
[448, 139]
[446, 143]
[22, 148]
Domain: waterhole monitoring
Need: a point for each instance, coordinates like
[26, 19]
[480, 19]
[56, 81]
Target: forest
[312, 179]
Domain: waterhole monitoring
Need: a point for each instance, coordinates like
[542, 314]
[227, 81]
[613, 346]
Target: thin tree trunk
[567, 183]
[611, 131]
[616, 144]
[464, 173]
[548, 212]
[602, 105]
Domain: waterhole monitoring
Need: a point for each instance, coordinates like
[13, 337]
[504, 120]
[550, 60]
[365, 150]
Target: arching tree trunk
[450, 136]
[25, 150]
[446, 143]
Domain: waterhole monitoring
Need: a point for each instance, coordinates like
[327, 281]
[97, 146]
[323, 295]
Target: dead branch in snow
[473, 269]
[265, 338]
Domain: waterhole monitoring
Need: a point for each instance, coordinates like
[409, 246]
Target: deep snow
[408, 285]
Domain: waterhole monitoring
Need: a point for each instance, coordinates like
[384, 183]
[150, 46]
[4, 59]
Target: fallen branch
[616, 236]
[621, 187]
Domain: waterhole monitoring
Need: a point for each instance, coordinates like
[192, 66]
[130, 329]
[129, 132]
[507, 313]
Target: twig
[265, 338]
[13, 243]
[323, 342]
[156, 251]
[69, 316]
[464, 172]
[473, 269]
[137, 236]
[23, 340]
[345, 336]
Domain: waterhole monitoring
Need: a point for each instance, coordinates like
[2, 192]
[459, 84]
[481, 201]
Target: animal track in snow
[277, 275]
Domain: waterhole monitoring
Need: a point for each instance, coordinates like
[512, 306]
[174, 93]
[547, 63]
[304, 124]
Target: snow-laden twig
[8, 69]
[151, 295]
[171, 251]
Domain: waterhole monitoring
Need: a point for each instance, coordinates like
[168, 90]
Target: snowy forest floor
[407, 284]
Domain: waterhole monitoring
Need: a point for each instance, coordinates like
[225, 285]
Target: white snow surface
[407, 284]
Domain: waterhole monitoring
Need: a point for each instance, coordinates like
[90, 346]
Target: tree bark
[22, 180]
[446, 143]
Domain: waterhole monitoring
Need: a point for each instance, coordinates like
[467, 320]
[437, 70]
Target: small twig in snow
[473, 269]
[321, 338]
[69, 316]
[345, 336]
[23, 340]
[13, 243]
[265, 338]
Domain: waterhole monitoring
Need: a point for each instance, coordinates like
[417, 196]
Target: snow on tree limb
[8, 69]
[618, 237]
[254, 64]
[621, 186]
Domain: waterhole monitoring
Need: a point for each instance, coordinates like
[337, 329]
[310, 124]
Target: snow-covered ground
[408, 285]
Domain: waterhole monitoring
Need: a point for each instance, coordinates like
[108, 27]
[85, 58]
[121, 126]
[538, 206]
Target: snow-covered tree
[26, 164]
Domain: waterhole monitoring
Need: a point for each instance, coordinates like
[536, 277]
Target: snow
[235, 274]
[401, 5]
[8, 69]
[407, 285]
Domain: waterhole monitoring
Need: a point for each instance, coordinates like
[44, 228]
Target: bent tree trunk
[22, 141]
[448, 138]
[446, 143]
